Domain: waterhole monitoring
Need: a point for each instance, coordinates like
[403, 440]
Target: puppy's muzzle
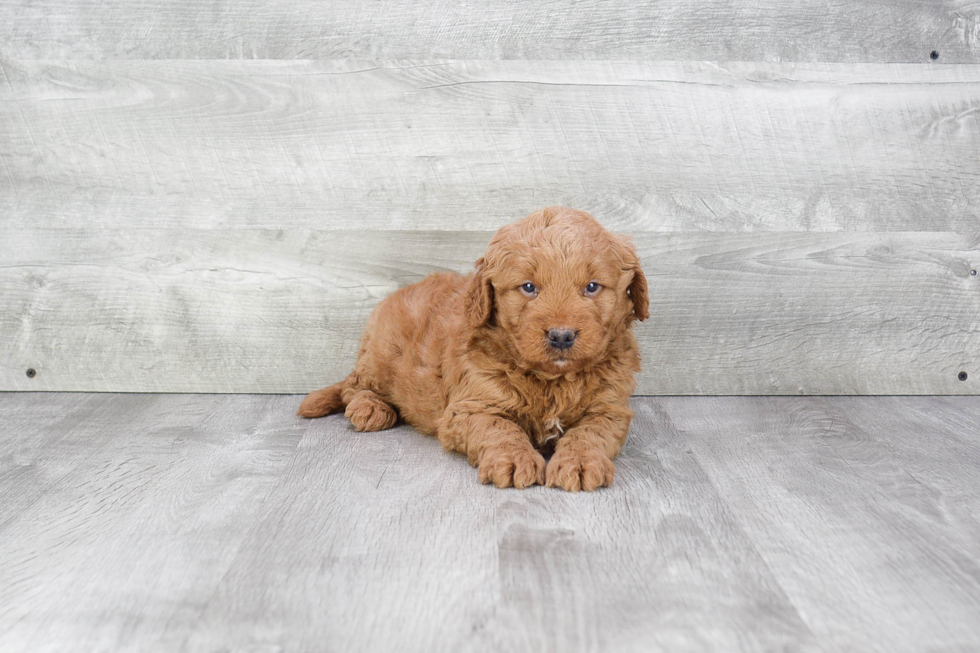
[561, 339]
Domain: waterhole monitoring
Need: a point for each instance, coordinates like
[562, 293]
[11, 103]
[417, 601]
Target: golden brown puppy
[533, 353]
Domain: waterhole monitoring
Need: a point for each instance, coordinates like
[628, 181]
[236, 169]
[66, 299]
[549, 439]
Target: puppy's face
[558, 288]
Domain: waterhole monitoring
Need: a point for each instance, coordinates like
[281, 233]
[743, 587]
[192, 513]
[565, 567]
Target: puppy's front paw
[512, 465]
[580, 470]
[369, 412]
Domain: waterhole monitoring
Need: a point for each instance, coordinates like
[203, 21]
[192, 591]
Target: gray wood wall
[210, 197]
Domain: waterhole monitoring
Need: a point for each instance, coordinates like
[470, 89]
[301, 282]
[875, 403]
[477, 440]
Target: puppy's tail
[323, 402]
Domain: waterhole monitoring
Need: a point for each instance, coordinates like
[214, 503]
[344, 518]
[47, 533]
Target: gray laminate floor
[223, 522]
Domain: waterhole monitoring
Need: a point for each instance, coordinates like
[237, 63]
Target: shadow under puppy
[532, 353]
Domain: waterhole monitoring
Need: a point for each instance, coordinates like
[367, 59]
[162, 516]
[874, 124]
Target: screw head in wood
[31, 372]
[933, 55]
[962, 376]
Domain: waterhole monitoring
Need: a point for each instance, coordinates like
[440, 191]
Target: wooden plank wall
[211, 198]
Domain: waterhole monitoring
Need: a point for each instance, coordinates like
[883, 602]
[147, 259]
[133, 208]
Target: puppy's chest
[546, 422]
[546, 432]
[546, 410]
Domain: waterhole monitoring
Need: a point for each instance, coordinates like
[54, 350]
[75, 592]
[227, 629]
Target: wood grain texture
[795, 30]
[204, 523]
[861, 535]
[140, 506]
[37, 442]
[471, 145]
[249, 310]
[940, 502]
[392, 521]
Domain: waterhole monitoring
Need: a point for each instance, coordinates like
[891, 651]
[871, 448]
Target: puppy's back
[405, 341]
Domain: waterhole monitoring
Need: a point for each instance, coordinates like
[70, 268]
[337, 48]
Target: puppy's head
[557, 288]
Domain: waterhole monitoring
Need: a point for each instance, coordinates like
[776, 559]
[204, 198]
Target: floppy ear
[637, 291]
[479, 300]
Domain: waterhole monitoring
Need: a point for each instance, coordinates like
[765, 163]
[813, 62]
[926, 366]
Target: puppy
[532, 354]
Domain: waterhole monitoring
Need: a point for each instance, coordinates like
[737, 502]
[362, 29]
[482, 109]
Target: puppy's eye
[592, 289]
[529, 289]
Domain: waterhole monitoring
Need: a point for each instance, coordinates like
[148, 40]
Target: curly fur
[468, 359]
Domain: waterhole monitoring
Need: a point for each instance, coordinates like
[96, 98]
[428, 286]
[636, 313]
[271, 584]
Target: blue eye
[529, 288]
[592, 288]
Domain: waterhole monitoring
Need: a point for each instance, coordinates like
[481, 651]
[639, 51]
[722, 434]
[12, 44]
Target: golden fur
[469, 360]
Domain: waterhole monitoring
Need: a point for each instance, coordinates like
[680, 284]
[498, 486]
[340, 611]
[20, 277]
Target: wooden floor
[223, 522]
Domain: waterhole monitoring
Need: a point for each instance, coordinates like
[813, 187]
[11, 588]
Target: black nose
[561, 338]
